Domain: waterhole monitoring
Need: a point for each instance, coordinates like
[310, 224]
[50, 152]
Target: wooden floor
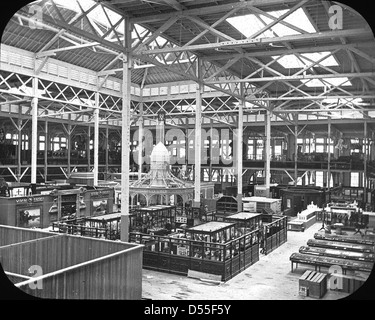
[268, 279]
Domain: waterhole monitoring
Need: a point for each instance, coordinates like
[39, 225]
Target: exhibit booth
[53, 202]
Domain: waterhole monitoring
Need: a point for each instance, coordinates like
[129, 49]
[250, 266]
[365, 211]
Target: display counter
[345, 238]
[327, 262]
[335, 253]
[340, 245]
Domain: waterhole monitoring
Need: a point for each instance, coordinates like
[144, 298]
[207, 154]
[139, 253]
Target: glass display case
[245, 219]
[213, 231]
[158, 219]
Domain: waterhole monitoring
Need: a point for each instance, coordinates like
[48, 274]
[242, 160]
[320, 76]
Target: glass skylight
[100, 22]
[96, 14]
[331, 101]
[292, 61]
[141, 32]
[250, 24]
[339, 81]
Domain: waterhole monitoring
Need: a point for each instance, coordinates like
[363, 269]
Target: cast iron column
[126, 87]
[198, 142]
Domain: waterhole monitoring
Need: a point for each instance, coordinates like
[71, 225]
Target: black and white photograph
[190, 155]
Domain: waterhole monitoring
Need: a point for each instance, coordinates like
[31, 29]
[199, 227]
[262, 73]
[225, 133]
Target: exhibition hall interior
[187, 150]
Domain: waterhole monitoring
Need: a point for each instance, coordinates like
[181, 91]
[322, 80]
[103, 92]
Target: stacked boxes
[313, 284]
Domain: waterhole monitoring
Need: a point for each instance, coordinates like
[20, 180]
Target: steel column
[239, 154]
[365, 162]
[329, 154]
[140, 141]
[198, 142]
[46, 147]
[96, 143]
[295, 154]
[125, 134]
[34, 132]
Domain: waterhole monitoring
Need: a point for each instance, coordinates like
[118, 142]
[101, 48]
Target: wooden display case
[226, 206]
[296, 225]
[158, 219]
[349, 214]
[334, 253]
[213, 231]
[258, 204]
[245, 220]
[349, 194]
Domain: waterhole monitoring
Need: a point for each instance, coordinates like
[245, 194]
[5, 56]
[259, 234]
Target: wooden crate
[313, 283]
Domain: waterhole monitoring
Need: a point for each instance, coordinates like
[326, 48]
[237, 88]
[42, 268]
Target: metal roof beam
[211, 10]
[308, 49]
[264, 41]
[200, 35]
[76, 34]
[312, 97]
[155, 34]
[296, 77]
[54, 51]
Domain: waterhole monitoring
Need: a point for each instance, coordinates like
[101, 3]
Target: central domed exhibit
[160, 181]
[159, 166]
[160, 175]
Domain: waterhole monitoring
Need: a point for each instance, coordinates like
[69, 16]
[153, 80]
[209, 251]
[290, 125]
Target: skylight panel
[291, 61]
[339, 81]
[346, 114]
[138, 29]
[250, 24]
[341, 101]
[97, 14]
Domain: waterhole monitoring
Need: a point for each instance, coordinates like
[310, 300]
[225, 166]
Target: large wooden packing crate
[313, 284]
